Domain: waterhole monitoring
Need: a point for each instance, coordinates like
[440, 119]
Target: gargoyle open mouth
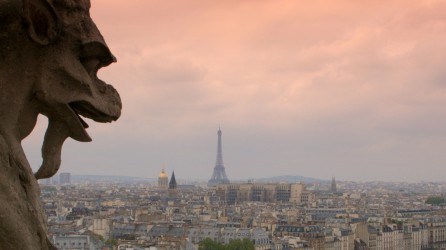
[74, 127]
[85, 109]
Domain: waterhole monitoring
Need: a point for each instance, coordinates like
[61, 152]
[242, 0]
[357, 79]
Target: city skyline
[354, 90]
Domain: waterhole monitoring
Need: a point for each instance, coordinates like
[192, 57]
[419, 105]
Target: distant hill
[109, 178]
[289, 179]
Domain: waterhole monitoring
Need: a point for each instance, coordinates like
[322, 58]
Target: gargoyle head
[71, 50]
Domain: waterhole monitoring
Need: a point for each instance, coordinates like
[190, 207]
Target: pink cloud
[369, 66]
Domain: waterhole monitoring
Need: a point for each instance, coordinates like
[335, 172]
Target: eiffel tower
[219, 175]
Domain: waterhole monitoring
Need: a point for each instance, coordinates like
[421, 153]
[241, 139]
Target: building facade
[236, 193]
[64, 178]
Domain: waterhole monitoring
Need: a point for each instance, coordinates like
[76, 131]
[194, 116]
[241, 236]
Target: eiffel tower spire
[219, 175]
[219, 161]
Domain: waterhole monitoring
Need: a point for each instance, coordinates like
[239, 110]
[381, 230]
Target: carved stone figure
[50, 52]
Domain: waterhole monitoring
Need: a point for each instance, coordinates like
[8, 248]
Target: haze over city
[354, 89]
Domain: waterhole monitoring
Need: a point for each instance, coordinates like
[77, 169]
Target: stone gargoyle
[50, 52]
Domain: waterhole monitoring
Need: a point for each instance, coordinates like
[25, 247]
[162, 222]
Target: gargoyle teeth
[82, 121]
[84, 124]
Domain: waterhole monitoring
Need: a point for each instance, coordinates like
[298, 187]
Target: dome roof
[163, 175]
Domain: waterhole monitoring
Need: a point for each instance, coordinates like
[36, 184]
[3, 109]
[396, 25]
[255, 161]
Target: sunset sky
[354, 89]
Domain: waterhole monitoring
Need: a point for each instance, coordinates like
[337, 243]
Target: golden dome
[163, 174]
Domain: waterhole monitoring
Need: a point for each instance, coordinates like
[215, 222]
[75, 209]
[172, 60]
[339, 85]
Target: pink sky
[355, 89]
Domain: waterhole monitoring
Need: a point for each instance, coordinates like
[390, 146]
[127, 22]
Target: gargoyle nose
[99, 51]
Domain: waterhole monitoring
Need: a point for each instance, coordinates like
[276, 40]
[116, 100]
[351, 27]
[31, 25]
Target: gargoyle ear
[42, 21]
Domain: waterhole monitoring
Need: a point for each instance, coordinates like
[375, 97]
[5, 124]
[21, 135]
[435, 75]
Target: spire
[173, 182]
[219, 161]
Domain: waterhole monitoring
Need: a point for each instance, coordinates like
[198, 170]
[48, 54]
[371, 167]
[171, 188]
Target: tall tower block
[219, 175]
[333, 185]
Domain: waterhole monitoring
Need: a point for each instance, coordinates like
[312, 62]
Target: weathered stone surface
[50, 52]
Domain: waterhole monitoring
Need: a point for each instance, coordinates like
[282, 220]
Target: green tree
[209, 244]
[244, 244]
[435, 200]
[101, 238]
[111, 241]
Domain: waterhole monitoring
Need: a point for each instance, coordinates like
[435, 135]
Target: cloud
[328, 88]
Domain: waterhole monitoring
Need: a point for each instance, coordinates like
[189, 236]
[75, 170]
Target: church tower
[219, 175]
[172, 186]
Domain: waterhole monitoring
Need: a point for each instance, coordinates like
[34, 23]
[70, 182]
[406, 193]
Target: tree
[209, 244]
[111, 241]
[101, 238]
[244, 244]
[435, 200]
